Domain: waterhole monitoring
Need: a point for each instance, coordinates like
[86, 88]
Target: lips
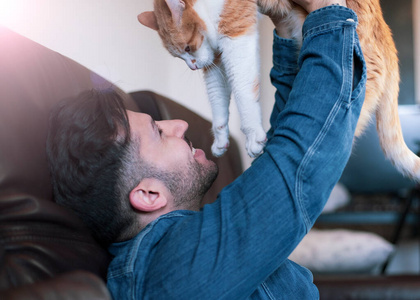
[189, 143]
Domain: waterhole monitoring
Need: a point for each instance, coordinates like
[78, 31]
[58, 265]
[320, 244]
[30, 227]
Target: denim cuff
[285, 54]
[329, 17]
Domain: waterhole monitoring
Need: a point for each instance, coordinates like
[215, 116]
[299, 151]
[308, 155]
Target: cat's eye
[187, 49]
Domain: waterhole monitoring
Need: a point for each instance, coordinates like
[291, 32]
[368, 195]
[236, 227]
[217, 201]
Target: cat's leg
[241, 60]
[219, 92]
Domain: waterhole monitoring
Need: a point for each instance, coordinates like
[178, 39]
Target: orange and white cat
[220, 37]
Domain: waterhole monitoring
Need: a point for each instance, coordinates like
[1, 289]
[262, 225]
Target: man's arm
[283, 73]
[285, 53]
[234, 244]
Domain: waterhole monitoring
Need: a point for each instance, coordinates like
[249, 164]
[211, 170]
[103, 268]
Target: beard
[189, 185]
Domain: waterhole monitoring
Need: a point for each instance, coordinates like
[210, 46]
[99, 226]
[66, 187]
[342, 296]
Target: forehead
[137, 117]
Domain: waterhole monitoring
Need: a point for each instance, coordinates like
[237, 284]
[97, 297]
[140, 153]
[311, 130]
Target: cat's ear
[177, 8]
[148, 18]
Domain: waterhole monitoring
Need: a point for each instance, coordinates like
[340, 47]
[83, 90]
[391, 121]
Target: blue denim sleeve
[229, 248]
[282, 75]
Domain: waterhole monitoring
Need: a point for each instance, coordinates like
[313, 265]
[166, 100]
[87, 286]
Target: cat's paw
[219, 150]
[255, 142]
[221, 140]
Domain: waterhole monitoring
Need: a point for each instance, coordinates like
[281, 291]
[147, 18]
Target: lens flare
[10, 12]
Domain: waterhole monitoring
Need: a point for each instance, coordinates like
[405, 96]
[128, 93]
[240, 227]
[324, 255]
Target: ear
[149, 195]
[148, 18]
[177, 8]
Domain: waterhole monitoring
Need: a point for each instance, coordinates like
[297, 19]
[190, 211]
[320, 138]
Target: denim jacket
[237, 247]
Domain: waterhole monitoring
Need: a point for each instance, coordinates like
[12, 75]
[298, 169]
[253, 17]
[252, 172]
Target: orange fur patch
[176, 38]
[238, 17]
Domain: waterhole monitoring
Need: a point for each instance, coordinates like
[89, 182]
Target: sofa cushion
[341, 251]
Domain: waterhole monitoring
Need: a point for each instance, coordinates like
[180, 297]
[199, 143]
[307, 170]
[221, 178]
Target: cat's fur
[222, 39]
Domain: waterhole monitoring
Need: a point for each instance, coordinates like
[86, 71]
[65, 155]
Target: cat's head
[182, 31]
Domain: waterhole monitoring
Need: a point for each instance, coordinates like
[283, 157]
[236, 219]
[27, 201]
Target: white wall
[105, 36]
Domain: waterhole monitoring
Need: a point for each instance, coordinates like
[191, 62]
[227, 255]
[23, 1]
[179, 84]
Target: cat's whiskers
[191, 76]
[212, 65]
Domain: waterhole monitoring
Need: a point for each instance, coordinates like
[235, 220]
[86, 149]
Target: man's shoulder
[126, 254]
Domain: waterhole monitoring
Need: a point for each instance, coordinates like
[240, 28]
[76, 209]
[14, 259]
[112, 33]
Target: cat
[221, 36]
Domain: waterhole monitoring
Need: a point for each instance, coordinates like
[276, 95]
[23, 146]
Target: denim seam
[267, 291]
[347, 64]
[306, 159]
[133, 290]
[324, 130]
[331, 7]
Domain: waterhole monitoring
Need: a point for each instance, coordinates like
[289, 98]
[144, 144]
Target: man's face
[163, 145]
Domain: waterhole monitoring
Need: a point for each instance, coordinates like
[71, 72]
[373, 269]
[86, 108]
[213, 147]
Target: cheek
[167, 155]
[178, 152]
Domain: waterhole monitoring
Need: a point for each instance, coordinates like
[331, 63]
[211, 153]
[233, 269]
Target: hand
[311, 5]
[278, 14]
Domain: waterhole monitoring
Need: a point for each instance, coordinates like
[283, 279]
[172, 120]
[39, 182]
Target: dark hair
[89, 150]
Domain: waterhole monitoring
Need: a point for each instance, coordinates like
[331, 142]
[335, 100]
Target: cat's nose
[194, 64]
[193, 67]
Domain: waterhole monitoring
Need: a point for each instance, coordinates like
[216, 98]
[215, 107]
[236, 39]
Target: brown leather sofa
[45, 251]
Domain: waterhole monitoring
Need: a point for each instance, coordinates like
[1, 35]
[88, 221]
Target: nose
[192, 64]
[173, 127]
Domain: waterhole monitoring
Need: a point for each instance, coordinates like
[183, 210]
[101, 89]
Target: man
[137, 183]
